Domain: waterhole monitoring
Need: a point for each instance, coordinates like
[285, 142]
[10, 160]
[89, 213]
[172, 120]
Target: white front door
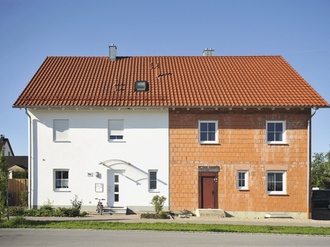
[115, 188]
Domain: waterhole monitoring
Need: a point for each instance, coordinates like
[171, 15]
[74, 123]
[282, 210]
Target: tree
[321, 170]
[3, 182]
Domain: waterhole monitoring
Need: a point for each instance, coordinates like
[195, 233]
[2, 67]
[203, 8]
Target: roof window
[141, 86]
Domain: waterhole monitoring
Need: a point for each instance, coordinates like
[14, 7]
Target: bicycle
[99, 206]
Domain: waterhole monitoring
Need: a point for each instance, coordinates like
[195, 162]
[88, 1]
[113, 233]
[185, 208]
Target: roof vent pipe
[112, 52]
[208, 52]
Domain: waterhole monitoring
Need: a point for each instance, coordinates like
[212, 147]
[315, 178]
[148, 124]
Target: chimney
[208, 52]
[112, 52]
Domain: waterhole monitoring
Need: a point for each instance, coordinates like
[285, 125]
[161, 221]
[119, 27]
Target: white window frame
[61, 188]
[150, 188]
[61, 130]
[276, 192]
[283, 132]
[245, 175]
[215, 141]
[116, 130]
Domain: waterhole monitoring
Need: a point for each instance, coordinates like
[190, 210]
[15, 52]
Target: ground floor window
[276, 182]
[61, 179]
[153, 180]
[242, 180]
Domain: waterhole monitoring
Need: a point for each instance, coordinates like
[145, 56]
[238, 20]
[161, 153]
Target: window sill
[154, 191]
[243, 189]
[62, 141]
[116, 141]
[62, 190]
[277, 143]
[277, 194]
[209, 143]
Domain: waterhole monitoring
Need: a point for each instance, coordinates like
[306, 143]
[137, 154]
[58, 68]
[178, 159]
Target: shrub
[24, 198]
[148, 216]
[161, 215]
[83, 214]
[30, 212]
[158, 202]
[48, 210]
[20, 174]
[67, 212]
[16, 211]
[60, 212]
[48, 206]
[44, 212]
[76, 204]
[3, 183]
[73, 212]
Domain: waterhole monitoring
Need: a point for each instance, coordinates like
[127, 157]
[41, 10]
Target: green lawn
[20, 222]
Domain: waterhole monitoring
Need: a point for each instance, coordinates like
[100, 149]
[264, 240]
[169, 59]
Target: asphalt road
[94, 238]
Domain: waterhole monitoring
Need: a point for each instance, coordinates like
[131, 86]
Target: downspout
[169, 159]
[30, 160]
[309, 174]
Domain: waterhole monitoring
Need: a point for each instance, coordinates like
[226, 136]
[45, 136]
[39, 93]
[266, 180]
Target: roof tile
[174, 81]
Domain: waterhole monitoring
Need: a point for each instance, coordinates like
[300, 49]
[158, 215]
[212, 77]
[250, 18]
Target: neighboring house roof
[21, 161]
[3, 142]
[174, 81]
[17, 168]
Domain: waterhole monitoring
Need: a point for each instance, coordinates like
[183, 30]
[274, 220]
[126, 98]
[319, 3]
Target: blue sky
[299, 30]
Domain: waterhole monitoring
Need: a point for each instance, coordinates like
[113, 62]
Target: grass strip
[20, 222]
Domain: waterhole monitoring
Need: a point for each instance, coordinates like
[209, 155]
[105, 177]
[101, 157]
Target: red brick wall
[242, 145]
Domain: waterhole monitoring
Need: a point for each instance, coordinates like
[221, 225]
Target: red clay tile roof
[174, 81]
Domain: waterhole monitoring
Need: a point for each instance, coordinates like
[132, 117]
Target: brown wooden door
[208, 190]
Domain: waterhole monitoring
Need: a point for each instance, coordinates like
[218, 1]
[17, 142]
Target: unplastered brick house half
[206, 132]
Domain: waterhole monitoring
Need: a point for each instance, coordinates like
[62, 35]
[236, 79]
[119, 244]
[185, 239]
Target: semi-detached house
[220, 132]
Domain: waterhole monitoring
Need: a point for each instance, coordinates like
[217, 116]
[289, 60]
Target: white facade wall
[145, 147]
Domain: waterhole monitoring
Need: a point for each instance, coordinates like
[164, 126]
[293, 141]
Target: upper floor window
[116, 129]
[275, 132]
[242, 180]
[61, 130]
[208, 131]
[276, 182]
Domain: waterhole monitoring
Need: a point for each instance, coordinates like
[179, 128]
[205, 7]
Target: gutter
[30, 160]
[309, 160]
[165, 106]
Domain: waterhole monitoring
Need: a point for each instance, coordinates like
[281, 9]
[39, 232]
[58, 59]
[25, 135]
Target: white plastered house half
[118, 155]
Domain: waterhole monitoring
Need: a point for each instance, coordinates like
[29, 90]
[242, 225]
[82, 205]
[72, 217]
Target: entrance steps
[210, 213]
[115, 210]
